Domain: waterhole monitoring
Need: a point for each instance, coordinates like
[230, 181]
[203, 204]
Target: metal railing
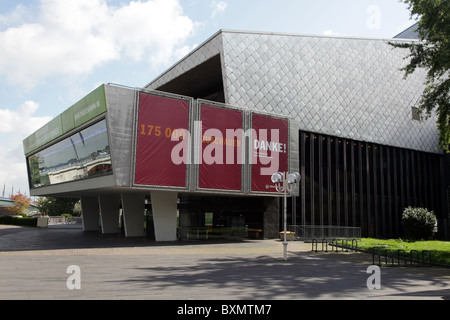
[54, 221]
[194, 233]
[308, 232]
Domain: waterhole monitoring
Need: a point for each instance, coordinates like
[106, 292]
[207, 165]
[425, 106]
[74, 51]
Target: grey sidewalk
[34, 262]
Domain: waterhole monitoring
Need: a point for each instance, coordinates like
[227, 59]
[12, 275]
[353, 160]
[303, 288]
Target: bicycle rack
[355, 248]
[415, 258]
[401, 254]
[429, 256]
[324, 243]
[389, 253]
[335, 244]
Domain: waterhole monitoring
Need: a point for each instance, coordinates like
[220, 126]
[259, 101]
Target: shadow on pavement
[29, 239]
[303, 276]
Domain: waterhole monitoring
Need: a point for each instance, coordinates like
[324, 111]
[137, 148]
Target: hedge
[30, 222]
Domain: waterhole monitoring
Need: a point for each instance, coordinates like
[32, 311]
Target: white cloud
[218, 7]
[69, 37]
[14, 127]
[330, 33]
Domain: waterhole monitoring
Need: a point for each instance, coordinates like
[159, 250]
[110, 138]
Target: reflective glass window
[83, 155]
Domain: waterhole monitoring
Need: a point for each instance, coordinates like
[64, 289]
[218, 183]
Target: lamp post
[285, 183]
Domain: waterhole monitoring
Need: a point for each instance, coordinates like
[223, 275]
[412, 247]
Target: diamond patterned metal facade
[346, 87]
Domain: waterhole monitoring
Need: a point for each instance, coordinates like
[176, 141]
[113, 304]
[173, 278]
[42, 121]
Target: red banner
[221, 161]
[159, 119]
[269, 150]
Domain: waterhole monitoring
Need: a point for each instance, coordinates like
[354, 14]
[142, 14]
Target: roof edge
[184, 58]
[222, 31]
[306, 35]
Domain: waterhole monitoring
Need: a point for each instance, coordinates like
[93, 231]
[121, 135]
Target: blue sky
[54, 52]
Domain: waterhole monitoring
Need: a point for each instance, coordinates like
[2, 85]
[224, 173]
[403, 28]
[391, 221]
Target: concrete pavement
[34, 265]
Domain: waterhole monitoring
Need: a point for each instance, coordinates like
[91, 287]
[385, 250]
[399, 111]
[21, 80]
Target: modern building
[197, 145]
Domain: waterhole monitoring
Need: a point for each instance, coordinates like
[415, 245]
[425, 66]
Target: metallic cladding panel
[294, 152]
[206, 51]
[120, 116]
[346, 87]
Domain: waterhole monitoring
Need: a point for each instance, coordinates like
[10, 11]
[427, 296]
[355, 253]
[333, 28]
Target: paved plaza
[34, 265]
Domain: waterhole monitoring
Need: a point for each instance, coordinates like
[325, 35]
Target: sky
[54, 52]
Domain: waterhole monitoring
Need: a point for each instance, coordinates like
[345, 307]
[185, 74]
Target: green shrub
[419, 223]
[15, 221]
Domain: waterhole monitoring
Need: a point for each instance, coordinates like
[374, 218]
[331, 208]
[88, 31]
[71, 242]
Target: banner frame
[250, 126]
[197, 147]
[190, 101]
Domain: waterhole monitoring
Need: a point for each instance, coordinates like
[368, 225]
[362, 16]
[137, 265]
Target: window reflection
[84, 155]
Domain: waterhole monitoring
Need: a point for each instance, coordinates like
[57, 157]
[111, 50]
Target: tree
[45, 204]
[77, 209]
[63, 205]
[419, 223]
[433, 54]
[21, 202]
[56, 206]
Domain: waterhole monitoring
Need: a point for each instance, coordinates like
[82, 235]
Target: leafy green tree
[45, 204]
[433, 54]
[56, 206]
[64, 205]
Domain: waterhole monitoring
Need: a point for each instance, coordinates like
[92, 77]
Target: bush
[15, 221]
[419, 223]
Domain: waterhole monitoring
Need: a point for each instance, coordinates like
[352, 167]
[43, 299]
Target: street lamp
[285, 183]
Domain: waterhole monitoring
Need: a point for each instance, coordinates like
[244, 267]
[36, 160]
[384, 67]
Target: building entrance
[206, 217]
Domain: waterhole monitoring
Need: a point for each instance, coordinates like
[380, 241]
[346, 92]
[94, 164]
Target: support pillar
[109, 213]
[91, 213]
[164, 207]
[133, 210]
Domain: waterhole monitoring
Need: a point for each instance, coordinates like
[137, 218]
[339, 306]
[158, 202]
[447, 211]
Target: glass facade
[83, 155]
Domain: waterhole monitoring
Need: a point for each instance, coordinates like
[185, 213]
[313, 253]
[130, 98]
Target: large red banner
[221, 152]
[160, 118]
[269, 151]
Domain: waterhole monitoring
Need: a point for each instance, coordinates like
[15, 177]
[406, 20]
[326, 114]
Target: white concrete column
[164, 207]
[109, 213]
[133, 210]
[91, 213]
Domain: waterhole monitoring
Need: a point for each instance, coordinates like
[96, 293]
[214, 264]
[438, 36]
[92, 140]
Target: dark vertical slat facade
[360, 184]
